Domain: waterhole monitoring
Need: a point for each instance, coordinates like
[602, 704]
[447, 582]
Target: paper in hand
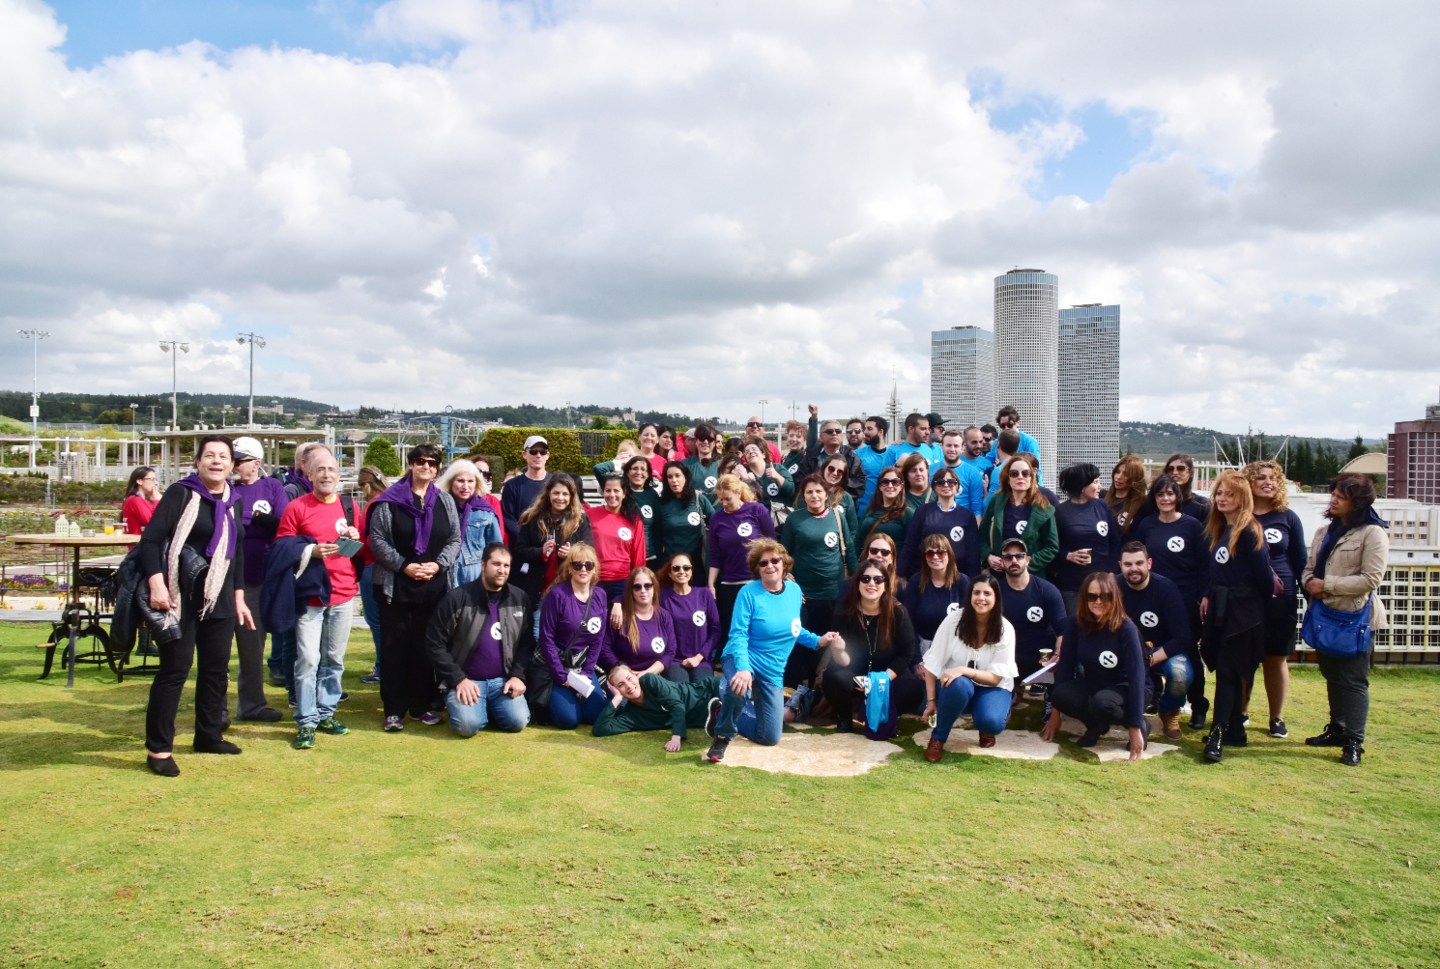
[580, 683]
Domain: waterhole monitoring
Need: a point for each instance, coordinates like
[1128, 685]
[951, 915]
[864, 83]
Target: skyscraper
[1027, 354]
[1089, 415]
[1413, 459]
[962, 375]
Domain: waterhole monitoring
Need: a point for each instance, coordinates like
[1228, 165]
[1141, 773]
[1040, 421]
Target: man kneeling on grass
[480, 640]
[652, 702]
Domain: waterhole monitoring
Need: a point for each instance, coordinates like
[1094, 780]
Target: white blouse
[947, 651]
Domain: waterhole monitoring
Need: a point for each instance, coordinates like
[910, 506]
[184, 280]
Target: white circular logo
[831, 539]
[693, 518]
[773, 489]
[745, 529]
[792, 468]
[1103, 528]
[1273, 536]
[795, 626]
[592, 625]
[1175, 544]
[261, 507]
[698, 617]
[1035, 614]
[495, 631]
[341, 526]
[1149, 620]
[1109, 660]
[1222, 555]
[957, 534]
[646, 511]
[953, 608]
[625, 534]
[710, 483]
[1122, 518]
[1020, 527]
[657, 645]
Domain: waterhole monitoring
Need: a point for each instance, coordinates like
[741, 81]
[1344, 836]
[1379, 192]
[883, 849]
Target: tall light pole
[762, 410]
[255, 340]
[133, 431]
[36, 336]
[174, 348]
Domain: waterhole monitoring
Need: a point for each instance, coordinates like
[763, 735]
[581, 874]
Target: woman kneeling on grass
[970, 668]
[651, 702]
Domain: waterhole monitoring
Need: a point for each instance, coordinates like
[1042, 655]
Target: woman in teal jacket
[1020, 510]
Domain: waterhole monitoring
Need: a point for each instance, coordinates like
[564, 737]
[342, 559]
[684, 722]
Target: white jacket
[947, 652]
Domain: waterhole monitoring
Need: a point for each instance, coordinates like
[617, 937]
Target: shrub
[382, 454]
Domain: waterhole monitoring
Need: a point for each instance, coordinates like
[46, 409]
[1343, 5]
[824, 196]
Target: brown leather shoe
[1170, 725]
[987, 740]
[934, 750]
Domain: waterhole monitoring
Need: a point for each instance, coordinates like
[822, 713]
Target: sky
[693, 207]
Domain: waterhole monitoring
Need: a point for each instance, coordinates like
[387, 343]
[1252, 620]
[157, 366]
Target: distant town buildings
[1412, 465]
[962, 375]
[1089, 416]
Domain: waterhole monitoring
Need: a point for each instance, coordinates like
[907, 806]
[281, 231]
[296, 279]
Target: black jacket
[459, 620]
[283, 596]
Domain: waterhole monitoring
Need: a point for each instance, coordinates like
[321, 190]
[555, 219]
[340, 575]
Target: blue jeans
[370, 609]
[1175, 671]
[567, 710]
[321, 633]
[988, 706]
[510, 713]
[758, 717]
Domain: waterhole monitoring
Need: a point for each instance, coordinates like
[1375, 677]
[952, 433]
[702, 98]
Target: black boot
[1350, 756]
[1331, 736]
[1215, 745]
[1198, 710]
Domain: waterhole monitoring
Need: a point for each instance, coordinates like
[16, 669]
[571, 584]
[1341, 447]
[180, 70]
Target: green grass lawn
[545, 848]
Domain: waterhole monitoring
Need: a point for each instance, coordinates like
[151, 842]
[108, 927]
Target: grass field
[559, 849]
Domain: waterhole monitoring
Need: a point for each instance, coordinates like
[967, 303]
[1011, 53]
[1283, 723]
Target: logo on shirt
[495, 631]
[261, 507]
[795, 626]
[698, 617]
[1175, 544]
[1122, 518]
[745, 529]
[792, 468]
[772, 489]
[657, 645]
[953, 608]
[1273, 536]
[1103, 528]
[957, 534]
[1109, 660]
[710, 483]
[831, 539]
[1222, 554]
[624, 533]
[647, 512]
[693, 518]
[1020, 526]
[341, 526]
[1035, 614]
[592, 625]
[1149, 620]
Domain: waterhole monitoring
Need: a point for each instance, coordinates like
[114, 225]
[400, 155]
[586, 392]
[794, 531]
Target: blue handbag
[1335, 632]
[877, 702]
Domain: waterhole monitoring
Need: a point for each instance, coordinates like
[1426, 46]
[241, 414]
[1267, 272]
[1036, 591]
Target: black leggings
[408, 684]
[1099, 709]
[906, 691]
[209, 640]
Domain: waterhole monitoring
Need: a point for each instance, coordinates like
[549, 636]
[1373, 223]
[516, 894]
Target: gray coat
[1353, 572]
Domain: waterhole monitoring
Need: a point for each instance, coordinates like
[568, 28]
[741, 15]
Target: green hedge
[575, 452]
[27, 490]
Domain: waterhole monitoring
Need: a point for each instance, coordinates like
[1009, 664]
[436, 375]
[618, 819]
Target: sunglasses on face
[831, 430]
[834, 470]
[425, 463]
[485, 473]
[937, 553]
[890, 483]
[769, 563]
[872, 580]
[1014, 556]
[537, 451]
[1174, 468]
[754, 424]
[880, 550]
[583, 566]
[681, 568]
[642, 586]
[946, 483]
[1097, 597]
[1019, 474]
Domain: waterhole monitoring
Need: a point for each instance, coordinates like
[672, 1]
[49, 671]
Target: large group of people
[723, 584]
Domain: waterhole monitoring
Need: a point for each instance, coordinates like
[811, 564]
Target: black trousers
[209, 641]
[815, 615]
[838, 683]
[725, 595]
[1099, 709]
[1195, 692]
[408, 684]
[1347, 683]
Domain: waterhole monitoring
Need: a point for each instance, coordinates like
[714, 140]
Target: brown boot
[987, 740]
[934, 750]
[1170, 725]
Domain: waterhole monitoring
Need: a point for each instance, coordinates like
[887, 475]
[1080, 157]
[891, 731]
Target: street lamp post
[762, 410]
[255, 340]
[36, 336]
[174, 348]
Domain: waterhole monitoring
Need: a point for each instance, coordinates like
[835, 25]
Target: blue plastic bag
[877, 701]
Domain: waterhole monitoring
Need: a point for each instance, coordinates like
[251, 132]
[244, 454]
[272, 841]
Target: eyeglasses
[681, 568]
[1097, 597]
[880, 550]
[425, 462]
[872, 580]
[583, 566]
[936, 553]
[770, 563]
[889, 482]
[537, 451]
[643, 585]
[1014, 556]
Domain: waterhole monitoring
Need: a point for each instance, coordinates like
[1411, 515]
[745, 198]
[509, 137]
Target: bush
[382, 454]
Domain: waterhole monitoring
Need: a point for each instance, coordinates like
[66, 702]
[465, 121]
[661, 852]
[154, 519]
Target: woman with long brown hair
[1019, 510]
[645, 637]
[1285, 542]
[937, 591]
[889, 513]
[1127, 492]
[970, 668]
[549, 529]
[878, 637]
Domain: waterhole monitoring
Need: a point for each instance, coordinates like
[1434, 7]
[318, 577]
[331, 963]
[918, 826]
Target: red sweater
[619, 543]
[323, 521]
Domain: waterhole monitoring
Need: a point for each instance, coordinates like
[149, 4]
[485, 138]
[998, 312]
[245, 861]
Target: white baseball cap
[248, 447]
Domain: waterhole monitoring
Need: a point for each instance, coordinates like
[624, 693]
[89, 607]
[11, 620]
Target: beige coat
[1354, 570]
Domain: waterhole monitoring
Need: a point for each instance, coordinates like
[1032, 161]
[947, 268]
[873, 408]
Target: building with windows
[1412, 464]
[1088, 416]
[962, 371]
[1027, 354]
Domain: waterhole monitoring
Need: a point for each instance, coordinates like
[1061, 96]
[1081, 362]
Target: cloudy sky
[695, 206]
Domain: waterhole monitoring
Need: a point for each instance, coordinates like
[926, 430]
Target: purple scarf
[297, 477]
[473, 503]
[399, 494]
[224, 506]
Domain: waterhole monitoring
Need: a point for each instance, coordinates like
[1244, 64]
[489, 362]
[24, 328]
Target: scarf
[297, 477]
[1336, 530]
[219, 551]
[474, 503]
[400, 495]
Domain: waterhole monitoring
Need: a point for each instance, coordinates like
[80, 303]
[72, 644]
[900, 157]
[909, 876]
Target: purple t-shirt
[267, 496]
[656, 641]
[731, 535]
[574, 628]
[696, 621]
[486, 661]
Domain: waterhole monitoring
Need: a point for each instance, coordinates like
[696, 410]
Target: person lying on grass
[651, 702]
